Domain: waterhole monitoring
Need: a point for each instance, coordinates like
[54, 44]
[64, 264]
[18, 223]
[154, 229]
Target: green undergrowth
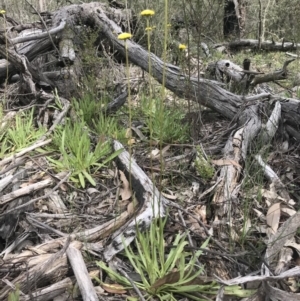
[269, 62]
[14, 296]
[23, 132]
[89, 109]
[167, 272]
[162, 123]
[18, 132]
[78, 154]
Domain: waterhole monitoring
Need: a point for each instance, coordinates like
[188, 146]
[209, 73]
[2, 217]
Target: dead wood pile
[34, 202]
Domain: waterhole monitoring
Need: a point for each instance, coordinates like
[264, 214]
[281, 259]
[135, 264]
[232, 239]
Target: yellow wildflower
[182, 47]
[2, 11]
[148, 28]
[124, 36]
[147, 13]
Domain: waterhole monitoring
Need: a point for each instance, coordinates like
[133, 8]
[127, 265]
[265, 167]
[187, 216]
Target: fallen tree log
[244, 111]
[209, 93]
[265, 45]
[206, 92]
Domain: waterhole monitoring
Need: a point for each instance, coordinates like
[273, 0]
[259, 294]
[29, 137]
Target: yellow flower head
[2, 11]
[148, 28]
[147, 13]
[124, 36]
[182, 47]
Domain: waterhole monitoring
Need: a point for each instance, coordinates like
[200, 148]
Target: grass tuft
[77, 153]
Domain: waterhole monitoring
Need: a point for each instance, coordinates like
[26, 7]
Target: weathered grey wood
[53, 268]
[22, 64]
[207, 92]
[66, 47]
[235, 150]
[150, 203]
[265, 45]
[49, 292]
[36, 35]
[84, 282]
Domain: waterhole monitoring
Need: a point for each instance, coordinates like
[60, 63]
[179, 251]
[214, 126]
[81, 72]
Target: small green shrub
[87, 107]
[22, 133]
[14, 296]
[153, 262]
[108, 126]
[168, 272]
[203, 167]
[164, 124]
[77, 153]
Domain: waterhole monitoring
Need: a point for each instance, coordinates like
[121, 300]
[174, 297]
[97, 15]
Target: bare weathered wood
[84, 282]
[150, 203]
[235, 150]
[37, 35]
[50, 292]
[63, 175]
[66, 48]
[52, 269]
[265, 45]
[24, 151]
[268, 134]
[206, 92]
[228, 72]
[22, 64]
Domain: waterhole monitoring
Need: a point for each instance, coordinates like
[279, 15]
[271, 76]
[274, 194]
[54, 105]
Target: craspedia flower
[147, 13]
[124, 36]
[2, 12]
[182, 47]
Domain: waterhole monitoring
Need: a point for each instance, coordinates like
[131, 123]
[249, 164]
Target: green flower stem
[129, 111]
[149, 52]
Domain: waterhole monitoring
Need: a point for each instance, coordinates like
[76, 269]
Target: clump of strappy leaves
[166, 272]
[77, 153]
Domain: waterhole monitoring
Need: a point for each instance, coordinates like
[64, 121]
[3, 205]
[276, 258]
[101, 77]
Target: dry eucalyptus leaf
[288, 211]
[269, 194]
[131, 141]
[169, 196]
[131, 207]
[125, 191]
[165, 149]
[247, 226]
[200, 211]
[259, 214]
[222, 162]
[92, 190]
[194, 225]
[273, 217]
[113, 288]
[155, 153]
